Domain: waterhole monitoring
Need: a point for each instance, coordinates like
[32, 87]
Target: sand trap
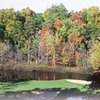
[79, 81]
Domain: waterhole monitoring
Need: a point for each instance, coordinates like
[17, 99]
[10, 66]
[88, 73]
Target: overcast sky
[41, 5]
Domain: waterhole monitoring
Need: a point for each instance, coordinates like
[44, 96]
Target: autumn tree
[29, 29]
[95, 55]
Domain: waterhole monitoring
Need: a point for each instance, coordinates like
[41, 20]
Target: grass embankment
[31, 85]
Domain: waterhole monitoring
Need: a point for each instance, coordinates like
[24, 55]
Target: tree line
[55, 37]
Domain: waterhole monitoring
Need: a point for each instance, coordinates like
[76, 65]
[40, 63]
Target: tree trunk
[54, 76]
[29, 41]
[54, 60]
[47, 57]
[36, 57]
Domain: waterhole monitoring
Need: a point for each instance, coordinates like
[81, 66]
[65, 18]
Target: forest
[53, 39]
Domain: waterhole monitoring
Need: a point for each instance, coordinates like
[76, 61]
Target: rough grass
[41, 67]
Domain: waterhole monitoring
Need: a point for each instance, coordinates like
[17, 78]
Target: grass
[37, 84]
[33, 84]
[46, 68]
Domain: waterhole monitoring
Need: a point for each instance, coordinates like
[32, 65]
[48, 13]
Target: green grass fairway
[34, 84]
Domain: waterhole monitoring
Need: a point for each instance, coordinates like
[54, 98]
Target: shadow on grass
[12, 83]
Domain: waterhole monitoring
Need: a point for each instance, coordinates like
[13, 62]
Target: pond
[50, 95]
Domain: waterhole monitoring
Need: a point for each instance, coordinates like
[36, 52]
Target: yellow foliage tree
[95, 55]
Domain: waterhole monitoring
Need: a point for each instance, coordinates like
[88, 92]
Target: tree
[38, 21]
[29, 28]
[7, 15]
[2, 32]
[71, 35]
[54, 12]
[50, 45]
[2, 51]
[95, 55]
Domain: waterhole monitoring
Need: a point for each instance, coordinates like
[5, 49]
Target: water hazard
[50, 95]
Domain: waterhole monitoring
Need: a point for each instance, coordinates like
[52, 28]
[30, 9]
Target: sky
[40, 6]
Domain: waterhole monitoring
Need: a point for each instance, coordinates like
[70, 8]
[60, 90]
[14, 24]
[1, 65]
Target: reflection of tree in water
[75, 94]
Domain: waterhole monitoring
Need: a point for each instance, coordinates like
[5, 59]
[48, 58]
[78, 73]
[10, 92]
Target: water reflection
[50, 95]
[74, 98]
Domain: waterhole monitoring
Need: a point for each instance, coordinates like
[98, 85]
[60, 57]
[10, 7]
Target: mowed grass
[35, 84]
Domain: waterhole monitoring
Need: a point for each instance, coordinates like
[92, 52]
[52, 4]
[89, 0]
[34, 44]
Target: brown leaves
[57, 23]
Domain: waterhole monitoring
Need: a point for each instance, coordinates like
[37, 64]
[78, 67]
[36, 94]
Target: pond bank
[40, 72]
